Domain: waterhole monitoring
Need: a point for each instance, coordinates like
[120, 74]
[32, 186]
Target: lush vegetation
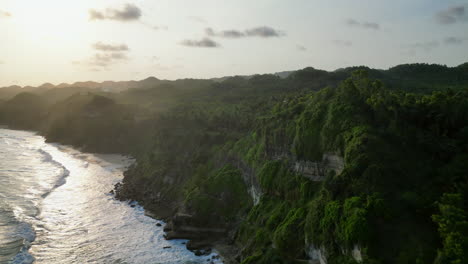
[226, 153]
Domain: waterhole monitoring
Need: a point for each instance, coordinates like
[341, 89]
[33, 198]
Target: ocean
[56, 207]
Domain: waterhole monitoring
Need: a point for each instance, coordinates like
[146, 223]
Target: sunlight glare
[51, 19]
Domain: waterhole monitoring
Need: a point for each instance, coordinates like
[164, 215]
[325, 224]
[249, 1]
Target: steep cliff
[273, 170]
[343, 175]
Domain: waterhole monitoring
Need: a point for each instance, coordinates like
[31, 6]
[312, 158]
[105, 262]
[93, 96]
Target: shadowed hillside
[353, 166]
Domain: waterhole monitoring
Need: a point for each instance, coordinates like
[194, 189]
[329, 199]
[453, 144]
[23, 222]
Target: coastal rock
[318, 170]
[317, 255]
[356, 253]
[198, 245]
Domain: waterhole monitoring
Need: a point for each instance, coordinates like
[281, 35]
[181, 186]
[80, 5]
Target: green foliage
[289, 236]
[218, 197]
[452, 220]
[201, 144]
[354, 228]
[23, 111]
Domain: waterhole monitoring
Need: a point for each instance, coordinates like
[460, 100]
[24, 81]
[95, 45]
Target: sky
[61, 41]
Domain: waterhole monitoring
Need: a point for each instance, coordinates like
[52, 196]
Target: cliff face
[283, 171]
[330, 177]
[318, 170]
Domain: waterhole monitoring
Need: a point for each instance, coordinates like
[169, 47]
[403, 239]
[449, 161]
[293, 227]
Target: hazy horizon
[205, 78]
[53, 41]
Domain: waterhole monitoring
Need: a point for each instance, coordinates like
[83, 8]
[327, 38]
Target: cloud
[364, 24]
[301, 48]
[103, 60]
[352, 22]
[427, 45]
[371, 25]
[109, 54]
[453, 40]
[225, 33]
[127, 13]
[344, 43]
[263, 32]
[107, 59]
[4, 14]
[109, 47]
[203, 43]
[452, 15]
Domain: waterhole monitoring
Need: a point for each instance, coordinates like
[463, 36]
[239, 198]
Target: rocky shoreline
[202, 240]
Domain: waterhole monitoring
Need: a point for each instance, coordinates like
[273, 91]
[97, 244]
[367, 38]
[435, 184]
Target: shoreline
[201, 242]
[111, 162]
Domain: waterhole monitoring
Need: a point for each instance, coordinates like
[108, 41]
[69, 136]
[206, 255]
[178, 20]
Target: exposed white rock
[333, 161]
[168, 180]
[255, 194]
[316, 255]
[317, 170]
[356, 253]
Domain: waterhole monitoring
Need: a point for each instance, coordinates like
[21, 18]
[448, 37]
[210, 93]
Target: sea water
[56, 207]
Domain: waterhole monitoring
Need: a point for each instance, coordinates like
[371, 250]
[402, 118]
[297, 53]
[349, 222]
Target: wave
[15, 246]
[25, 230]
[62, 179]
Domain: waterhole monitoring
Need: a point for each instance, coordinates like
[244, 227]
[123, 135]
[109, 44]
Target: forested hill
[412, 77]
[352, 166]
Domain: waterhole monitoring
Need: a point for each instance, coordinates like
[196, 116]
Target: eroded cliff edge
[335, 176]
[245, 162]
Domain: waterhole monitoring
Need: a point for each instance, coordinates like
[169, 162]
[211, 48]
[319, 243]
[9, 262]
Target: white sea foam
[65, 214]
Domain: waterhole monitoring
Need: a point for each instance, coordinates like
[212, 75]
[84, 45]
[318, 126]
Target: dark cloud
[109, 47]
[129, 12]
[352, 22]
[301, 48]
[225, 33]
[371, 25]
[203, 43]
[453, 40]
[263, 32]
[364, 24]
[452, 15]
[345, 43]
[4, 14]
